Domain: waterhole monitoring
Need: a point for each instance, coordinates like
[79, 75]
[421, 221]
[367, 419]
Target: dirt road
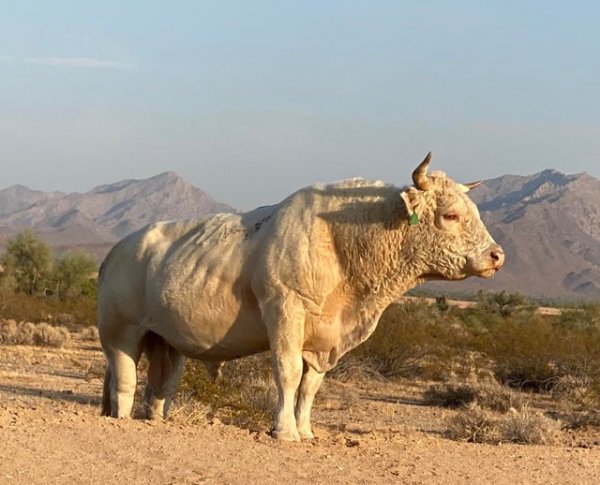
[51, 432]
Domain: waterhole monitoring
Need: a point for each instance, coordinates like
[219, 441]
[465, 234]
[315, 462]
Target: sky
[251, 100]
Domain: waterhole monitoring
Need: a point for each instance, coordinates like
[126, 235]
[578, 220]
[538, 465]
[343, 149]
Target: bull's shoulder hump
[337, 194]
[346, 188]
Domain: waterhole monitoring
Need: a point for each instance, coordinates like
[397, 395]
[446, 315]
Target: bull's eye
[451, 216]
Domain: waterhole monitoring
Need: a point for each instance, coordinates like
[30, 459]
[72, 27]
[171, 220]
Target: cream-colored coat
[307, 278]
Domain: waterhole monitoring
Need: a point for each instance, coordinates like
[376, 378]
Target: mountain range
[96, 219]
[548, 224]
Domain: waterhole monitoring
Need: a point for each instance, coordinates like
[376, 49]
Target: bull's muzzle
[497, 257]
[487, 263]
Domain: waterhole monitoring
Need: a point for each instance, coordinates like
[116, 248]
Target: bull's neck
[371, 254]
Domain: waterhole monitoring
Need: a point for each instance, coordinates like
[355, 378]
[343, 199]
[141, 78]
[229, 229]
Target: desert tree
[75, 274]
[27, 262]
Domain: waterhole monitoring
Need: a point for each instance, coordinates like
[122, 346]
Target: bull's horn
[419, 176]
[471, 185]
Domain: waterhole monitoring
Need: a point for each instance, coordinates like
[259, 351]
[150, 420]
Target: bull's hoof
[306, 434]
[286, 435]
[155, 417]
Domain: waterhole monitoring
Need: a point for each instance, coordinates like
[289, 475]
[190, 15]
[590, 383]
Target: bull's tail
[104, 263]
[106, 410]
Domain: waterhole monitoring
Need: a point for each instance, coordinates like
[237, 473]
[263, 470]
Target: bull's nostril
[497, 256]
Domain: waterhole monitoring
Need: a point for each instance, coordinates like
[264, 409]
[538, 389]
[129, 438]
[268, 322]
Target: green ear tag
[414, 219]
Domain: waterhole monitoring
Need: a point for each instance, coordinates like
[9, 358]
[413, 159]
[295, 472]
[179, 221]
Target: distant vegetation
[36, 286]
[502, 335]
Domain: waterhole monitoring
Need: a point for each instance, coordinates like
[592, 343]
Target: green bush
[34, 288]
[27, 263]
[29, 308]
[74, 275]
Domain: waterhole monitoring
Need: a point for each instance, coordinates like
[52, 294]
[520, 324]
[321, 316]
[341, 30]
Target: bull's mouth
[487, 273]
[464, 274]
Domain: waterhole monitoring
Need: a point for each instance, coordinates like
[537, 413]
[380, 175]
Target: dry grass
[450, 395]
[477, 425]
[474, 425]
[582, 418]
[189, 411]
[89, 334]
[527, 427]
[351, 368]
[487, 395]
[26, 333]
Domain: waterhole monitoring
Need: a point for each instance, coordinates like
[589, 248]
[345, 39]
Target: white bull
[307, 278]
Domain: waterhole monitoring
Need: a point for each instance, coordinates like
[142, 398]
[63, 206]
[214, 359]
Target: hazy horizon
[250, 101]
[225, 200]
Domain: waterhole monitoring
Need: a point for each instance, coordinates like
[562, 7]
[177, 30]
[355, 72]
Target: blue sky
[253, 99]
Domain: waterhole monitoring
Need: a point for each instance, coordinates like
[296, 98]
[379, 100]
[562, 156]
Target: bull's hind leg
[122, 349]
[165, 369]
[311, 381]
[106, 392]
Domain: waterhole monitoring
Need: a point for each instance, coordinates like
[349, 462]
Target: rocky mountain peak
[108, 212]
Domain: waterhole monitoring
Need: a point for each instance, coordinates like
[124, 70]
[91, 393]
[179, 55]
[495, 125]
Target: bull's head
[453, 242]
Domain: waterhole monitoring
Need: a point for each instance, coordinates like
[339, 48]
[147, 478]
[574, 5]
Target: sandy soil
[51, 432]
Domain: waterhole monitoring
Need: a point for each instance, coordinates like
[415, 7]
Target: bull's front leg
[311, 381]
[285, 325]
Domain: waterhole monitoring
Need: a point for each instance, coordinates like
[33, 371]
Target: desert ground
[366, 431]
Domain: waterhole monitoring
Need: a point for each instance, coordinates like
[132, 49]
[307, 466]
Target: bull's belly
[215, 338]
[246, 336]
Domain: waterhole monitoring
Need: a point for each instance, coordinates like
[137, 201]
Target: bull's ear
[470, 186]
[410, 197]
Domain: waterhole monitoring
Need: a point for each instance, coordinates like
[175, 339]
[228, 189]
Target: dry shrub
[48, 336]
[246, 395]
[526, 427]
[540, 353]
[487, 395]
[189, 410]
[496, 397]
[576, 419]
[474, 425]
[575, 389]
[523, 426]
[351, 368]
[64, 319]
[410, 337]
[89, 334]
[26, 333]
[450, 395]
[13, 333]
